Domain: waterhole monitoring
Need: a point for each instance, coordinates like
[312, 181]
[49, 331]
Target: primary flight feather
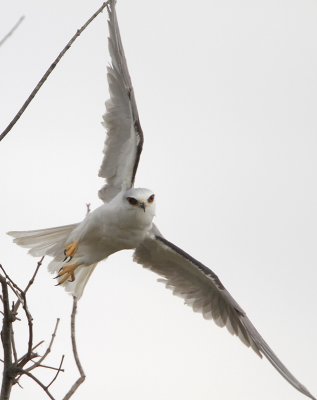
[125, 221]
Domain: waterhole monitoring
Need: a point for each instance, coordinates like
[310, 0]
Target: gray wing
[202, 290]
[124, 141]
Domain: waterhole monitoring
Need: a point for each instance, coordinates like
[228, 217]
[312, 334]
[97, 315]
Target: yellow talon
[70, 251]
[67, 273]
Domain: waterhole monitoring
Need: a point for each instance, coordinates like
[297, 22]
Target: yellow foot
[70, 251]
[67, 273]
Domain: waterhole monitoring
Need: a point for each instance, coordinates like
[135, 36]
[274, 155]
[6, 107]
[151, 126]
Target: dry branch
[15, 367]
[49, 71]
[35, 379]
[48, 350]
[31, 281]
[13, 29]
[6, 335]
[82, 376]
[59, 369]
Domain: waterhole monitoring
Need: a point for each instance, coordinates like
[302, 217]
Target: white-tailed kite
[125, 221]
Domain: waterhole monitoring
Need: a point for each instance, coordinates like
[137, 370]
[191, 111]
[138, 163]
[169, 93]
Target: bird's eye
[151, 199]
[132, 201]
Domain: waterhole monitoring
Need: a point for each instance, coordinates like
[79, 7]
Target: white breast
[109, 229]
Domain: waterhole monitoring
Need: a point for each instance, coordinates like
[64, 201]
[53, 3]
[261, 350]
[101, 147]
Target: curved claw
[66, 273]
[70, 251]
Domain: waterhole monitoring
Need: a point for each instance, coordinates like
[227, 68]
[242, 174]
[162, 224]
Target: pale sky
[227, 96]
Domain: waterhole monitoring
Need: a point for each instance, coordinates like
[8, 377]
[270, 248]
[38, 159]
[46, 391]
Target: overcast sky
[227, 96]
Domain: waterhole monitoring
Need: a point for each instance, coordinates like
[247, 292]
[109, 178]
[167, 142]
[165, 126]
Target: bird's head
[140, 199]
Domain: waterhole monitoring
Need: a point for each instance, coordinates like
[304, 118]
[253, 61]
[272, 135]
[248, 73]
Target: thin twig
[24, 372]
[49, 71]
[31, 281]
[13, 371]
[22, 298]
[48, 350]
[18, 383]
[57, 373]
[33, 354]
[47, 366]
[82, 377]
[14, 290]
[9, 279]
[37, 345]
[6, 37]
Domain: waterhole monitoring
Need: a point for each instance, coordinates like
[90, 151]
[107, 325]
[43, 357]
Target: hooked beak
[142, 205]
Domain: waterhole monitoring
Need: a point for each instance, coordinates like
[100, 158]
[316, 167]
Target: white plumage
[114, 226]
[124, 221]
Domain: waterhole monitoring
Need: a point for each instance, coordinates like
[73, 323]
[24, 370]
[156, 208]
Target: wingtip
[12, 233]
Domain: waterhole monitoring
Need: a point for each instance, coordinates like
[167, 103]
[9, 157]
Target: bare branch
[23, 372]
[37, 345]
[48, 350]
[31, 281]
[49, 71]
[82, 377]
[34, 355]
[6, 37]
[14, 370]
[7, 381]
[29, 354]
[48, 367]
[14, 290]
[19, 384]
[10, 280]
[57, 373]
[21, 295]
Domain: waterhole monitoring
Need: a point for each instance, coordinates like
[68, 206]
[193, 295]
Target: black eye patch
[151, 199]
[132, 201]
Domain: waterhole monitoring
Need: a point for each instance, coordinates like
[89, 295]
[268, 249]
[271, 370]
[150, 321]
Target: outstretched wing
[203, 291]
[124, 141]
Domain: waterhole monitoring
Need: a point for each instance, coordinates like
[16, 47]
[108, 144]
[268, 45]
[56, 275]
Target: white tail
[43, 242]
[52, 242]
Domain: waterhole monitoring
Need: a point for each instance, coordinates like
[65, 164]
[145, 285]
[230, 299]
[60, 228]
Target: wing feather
[203, 291]
[124, 141]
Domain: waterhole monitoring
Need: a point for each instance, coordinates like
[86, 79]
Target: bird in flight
[125, 221]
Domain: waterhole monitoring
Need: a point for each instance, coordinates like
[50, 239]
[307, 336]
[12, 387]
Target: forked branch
[14, 366]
